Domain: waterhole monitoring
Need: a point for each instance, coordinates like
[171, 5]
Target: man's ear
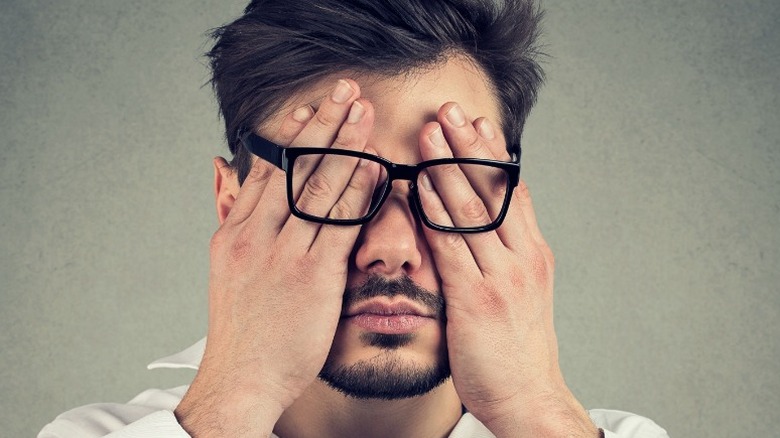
[225, 187]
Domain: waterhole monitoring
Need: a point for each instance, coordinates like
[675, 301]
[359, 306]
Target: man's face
[390, 342]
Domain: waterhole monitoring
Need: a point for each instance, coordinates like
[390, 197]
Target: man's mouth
[381, 315]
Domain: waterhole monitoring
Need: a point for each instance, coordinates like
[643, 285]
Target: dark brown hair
[280, 47]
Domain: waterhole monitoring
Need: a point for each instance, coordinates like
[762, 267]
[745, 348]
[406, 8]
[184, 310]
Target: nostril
[376, 266]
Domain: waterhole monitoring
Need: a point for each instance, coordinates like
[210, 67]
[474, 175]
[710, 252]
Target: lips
[387, 307]
[388, 317]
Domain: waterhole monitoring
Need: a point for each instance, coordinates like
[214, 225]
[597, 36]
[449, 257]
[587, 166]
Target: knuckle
[517, 278]
[452, 241]
[342, 210]
[303, 268]
[228, 246]
[317, 187]
[218, 240]
[347, 207]
[474, 209]
[533, 269]
[346, 139]
[240, 248]
[287, 132]
[492, 300]
[473, 144]
[362, 182]
[537, 267]
[259, 171]
[326, 119]
[522, 191]
[358, 183]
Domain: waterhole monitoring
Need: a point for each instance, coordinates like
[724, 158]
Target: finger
[493, 137]
[525, 205]
[324, 131]
[354, 202]
[529, 247]
[462, 205]
[477, 140]
[320, 184]
[321, 131]
[352, 135]
[271, 215]
[450, 249]
[356, 198]
[250, 192]
[515, 231]
[482, 139]
[320, 181]
[292, 125]
[318, 129]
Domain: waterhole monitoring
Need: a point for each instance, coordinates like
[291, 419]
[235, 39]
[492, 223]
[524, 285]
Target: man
[378, 270]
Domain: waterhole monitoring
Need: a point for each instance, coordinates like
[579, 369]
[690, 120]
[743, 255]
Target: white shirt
[150, 414]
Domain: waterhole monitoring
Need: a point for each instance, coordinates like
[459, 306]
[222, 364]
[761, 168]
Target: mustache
[378, 286]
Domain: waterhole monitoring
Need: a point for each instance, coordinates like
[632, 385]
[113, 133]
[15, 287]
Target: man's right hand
[276, 282]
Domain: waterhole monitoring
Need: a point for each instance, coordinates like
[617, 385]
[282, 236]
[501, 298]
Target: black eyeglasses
[493, 181]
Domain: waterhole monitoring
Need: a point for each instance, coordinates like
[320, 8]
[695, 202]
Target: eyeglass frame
[283, 157]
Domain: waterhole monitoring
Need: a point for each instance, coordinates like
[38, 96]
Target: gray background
[653, 157]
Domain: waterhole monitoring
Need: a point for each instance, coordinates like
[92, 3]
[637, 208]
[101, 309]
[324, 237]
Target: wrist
[555, 415]
[234, 413]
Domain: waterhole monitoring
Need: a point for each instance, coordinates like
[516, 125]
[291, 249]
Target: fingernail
[486, 130]
[437, 138]
[355, 113]
[426, 181]
[303, 114]
[456, 117]
[343, 92]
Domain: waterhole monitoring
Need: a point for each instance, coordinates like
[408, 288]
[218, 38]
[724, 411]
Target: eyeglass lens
[477, 184]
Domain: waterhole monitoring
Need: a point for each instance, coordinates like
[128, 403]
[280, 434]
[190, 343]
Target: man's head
[280, 48]
[409, 58]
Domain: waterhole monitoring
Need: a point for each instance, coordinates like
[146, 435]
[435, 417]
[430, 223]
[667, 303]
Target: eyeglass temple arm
[267, 150]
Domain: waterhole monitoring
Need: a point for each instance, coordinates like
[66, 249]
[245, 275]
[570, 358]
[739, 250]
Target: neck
[322, 412]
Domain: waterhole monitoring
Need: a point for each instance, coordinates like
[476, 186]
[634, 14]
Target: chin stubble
[385, 376]
[388, 375]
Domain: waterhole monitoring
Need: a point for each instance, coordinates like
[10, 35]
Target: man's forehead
[404, 103]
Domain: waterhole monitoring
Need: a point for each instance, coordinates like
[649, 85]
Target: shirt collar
[187, 358]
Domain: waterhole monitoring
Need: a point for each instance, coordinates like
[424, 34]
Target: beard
[388, 376]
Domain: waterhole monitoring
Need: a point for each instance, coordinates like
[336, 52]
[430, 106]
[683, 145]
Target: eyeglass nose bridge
[398, 172]
[402, 172]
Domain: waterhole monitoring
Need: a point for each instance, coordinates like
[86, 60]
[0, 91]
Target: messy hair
[279, 48]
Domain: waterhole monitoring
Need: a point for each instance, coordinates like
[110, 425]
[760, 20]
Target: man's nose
[390, 244]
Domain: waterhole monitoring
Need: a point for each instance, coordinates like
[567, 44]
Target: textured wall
[653, 157]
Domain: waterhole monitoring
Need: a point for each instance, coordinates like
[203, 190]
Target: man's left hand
[498, 289]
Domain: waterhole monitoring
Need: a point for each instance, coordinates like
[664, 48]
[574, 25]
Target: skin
[276, 282]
